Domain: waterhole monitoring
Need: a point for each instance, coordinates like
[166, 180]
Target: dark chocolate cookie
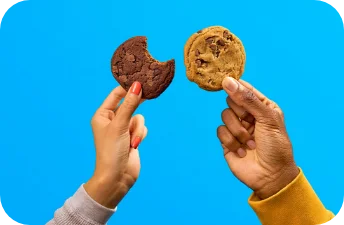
[132, 62]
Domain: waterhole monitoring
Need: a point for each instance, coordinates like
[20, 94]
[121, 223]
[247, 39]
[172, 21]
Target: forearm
[81, 209]
[296, 204]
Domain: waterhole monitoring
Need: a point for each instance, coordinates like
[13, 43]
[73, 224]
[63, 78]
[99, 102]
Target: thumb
[245, 98]
[128, 107]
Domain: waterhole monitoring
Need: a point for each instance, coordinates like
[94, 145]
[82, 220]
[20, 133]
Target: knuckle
[280, 111]
[141, 118]
[241, 133]
[119, 129]
[94, 121]
[227, 140]
[232, 145]
[229, 143]
[248, 96]
[129, 104]
[272, 120]
[225, 113]
[220, 131]
[275, 115]
[229, 101]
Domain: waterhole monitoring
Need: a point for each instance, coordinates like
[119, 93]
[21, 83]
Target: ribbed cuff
[83, 205]
[296, 204]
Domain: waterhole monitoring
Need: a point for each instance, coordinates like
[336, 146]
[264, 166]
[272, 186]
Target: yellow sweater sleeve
[296, 204]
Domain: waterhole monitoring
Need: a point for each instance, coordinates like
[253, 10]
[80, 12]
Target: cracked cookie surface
[212, 54]
[132, 62]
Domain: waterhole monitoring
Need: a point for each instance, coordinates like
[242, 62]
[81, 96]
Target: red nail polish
[136, 88]
[136, 142]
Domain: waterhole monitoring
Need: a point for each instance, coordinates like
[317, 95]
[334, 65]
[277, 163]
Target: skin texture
[254, 138]
[116, 135]
[212, 54]
[255, 141]
[132, 62]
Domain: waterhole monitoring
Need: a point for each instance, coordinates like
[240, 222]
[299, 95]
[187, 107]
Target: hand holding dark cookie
[132, 62]
[116, 135]
[255, 141]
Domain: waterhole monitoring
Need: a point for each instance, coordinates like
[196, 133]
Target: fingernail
[231, 84]
[241, 152]
[251, 144]
[136, 88]
[136, 142]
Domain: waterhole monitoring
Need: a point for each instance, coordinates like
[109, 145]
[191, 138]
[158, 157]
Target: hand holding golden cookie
[256, 145]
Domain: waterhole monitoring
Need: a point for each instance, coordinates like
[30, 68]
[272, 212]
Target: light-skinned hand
[117, 135]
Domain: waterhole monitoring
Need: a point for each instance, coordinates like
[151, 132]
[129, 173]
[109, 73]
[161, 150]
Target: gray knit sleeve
[81, 209]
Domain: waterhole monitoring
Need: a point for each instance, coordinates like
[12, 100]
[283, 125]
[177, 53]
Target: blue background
[55, 72]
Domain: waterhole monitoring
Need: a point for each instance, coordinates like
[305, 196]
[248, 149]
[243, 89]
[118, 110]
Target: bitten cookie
[212, 54]
[132, 62]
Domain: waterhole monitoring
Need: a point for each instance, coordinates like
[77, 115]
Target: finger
[241, 152]
[228, 141]
[128, 107]
[246, 125]
[273, 105]
[244, 97]
[133, 166]
[240, 111]
[237, 129]
[259, 95]
[276, 108]
[268, 102]
[137, 129]
[249, 127]
[145, 133]
[250, 130]
[114, 98]
[234, 159]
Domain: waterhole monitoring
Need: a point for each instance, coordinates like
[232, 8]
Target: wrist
[277, 182]
[105, 192]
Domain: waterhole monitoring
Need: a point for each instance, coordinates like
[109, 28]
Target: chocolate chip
[130, 58]
[115, 69]
[213, 47]
[197, 53]
[209, 40]
[217, 53]
[221, 42]
[199, 63]
[156, 72]
[227, 35]
[200, 31]
[123, 78]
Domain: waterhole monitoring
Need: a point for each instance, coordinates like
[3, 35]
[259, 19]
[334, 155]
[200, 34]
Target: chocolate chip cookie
[212, 54]
[132, 62]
